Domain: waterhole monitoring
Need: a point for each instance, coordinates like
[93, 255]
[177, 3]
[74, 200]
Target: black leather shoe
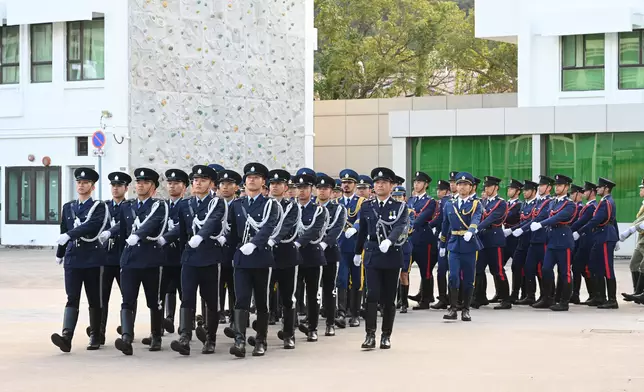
[354, 322]
[385, 342]
[421, 306]
[559, 307]
[303, 328]
[229, 332]
[439, 305]
[260, 349]
[155, 344]
[330, 330]
[222, 318]
[289, 343]
[503, 305]
[146, 341]
[182, 346]
[95, 326]
[208, 347]
[610, 304]
[312, 336]
[341, 322]
[369, 341]
[201, 334]
[168, 325]
[465, 315]
[252, 341]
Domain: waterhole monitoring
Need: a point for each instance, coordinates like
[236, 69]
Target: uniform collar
[384, 201]
[561, 198]
[305, 205]
[512, 201]
[142, 202]
[80, 203]
[115, 204]
[347, 199]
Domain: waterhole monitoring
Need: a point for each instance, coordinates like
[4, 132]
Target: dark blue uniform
[347, 270]
[581, 258]
[226, 278]
[443, 264]
[171, 271]
[490, 233]
[337, 220]
[520, 254]
[424, 241]
[537, 249]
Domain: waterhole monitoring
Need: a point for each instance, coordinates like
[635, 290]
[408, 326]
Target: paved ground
[522, 349]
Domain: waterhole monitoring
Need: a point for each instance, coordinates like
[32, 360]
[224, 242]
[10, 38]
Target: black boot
[453, 302]
[467, 298]
[611, 286]
[404, 301]
[370, 326]
[443, 299]
[124, 343]
[566, 289]
[530, 290]
[576, 287]
[638, 287]
[211, 335]
[516, 287]
[419, 295]
[312, 322]
[186, 319]
[170, 309]
[119, 329]
[356, 297]
[262, 331]
[388, 316]
[590, 287]
[430, 296]
[425, 293]
[229, 331]
[241, 321]
[200, 331]
[94, 325]
[156, 329]
[64, 341]
[547, 294]
[289, 329]
[341, 321]
[503, 289]
[101, 336]
[599, 288]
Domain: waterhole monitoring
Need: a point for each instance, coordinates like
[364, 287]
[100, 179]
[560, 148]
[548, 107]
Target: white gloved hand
[248, 248]
[434, 230]
[350, 232]
[575, 236]
[384, 246]
[104, 236]
[195, 241]
[222, 240]
[535, 226]
[170, 224]
[271, 243]
[297, 244]
[467, 236]
[323, 245]
[641, 226]
[616, 246]
[357, 259]
[507, 232]
[161, 241]
[59, 260]
[518, 232]
[627, 233]
[442, 252]
[63, 239]
[132, 240]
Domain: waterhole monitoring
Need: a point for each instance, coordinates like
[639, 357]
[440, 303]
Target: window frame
[6, 65]
[31, 53]
[48, 170]
[584, 66]
[641, 60]
[68, 62]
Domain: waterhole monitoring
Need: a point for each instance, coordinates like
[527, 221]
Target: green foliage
[387, 48]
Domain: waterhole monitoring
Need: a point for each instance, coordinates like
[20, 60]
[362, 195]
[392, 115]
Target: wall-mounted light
[31, 157]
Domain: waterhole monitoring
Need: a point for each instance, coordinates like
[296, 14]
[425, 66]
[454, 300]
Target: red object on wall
[31, 157]
[46, 161]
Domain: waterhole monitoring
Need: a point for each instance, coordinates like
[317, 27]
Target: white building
[580, 102]
[183, 83]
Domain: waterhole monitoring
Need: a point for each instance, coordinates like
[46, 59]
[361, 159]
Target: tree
[386, 48]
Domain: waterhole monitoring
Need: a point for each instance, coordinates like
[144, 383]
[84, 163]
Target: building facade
[580, 102]
[170, 83]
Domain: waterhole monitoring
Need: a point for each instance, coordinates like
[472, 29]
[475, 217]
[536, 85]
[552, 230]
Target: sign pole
[98, 140]
[100, 176]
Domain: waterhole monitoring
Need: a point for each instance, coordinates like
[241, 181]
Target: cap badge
[462, 177]
[301, 180]
[199, 171]
[116, 178]
[379, 174]
[252, 168]
[276, 176]
[346, 175]
[556, 177]
[142, 173]
[173, 174]
[321, 181]
[82, 174]
[225, 175]
[417, 173]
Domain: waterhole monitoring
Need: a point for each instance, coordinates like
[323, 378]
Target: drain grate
[614, 331]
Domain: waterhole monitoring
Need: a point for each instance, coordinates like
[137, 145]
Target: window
[33, 195]
[82, 148]
[631, 64]
[41, 52]
[582, 62]
[617, 156]
[505, 157]
[9, 54]
[85, 50]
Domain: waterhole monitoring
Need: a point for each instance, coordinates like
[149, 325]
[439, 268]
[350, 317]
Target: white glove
[384, 246]
[161, 241]
[575, 236]
[467, 236]
[104, 236]
[271, 243]
[357, 259]
[626, 233]
[323, 245]
[616, 246]
[442, 252]
[195, 241]
[297, 244]
[350, 232]
[641, 226]
[221, 239]
[434, 230]
[518, 232]
[248, 248]
[507, 232]
[535, 226]
[59, 260]
[63, 239]
[170, 224]
[132, 240]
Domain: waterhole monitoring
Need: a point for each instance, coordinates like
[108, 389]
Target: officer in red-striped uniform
[512, 220]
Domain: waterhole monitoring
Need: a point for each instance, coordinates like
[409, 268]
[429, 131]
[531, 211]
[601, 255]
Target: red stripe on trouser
[568, 265]
[606, 261]
[586, 272]
[428, 274]
[500, 258]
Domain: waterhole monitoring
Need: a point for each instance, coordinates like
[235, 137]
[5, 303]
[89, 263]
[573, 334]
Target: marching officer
[201, 229]
[583, 245]
[348, 269]
[399, 194]
[560, 245]
[252, 220]
[423, 239]
[382, 233]
[603, 229]
[337, 219]
[520, 255]
[140, 227]
[512, 220]
[443, 195]
[462, 217]
[287, 258]
[636, 266]
[82, 255]
[490, 233]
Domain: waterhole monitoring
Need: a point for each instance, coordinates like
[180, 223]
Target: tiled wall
[355, 133]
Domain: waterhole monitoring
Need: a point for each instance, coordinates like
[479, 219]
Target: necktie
[251, 201]
[140, 204]
[460, 204]
[198, 202]
[382, 204]
[171, 204]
